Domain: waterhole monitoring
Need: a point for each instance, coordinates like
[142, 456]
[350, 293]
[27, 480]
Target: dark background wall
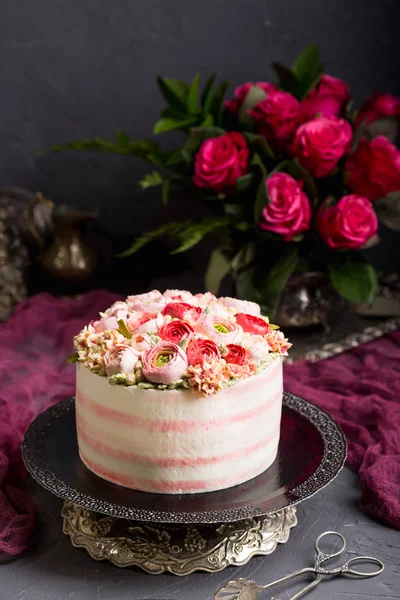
[87, 67]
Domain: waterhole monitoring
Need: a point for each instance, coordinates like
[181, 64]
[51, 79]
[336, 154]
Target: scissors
[242, 589]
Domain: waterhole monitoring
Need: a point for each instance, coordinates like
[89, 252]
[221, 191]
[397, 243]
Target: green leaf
[192, 102]
[308, 69]
[276, 279]
[216, 104]
[243, 182]
[122, 328]
[165, 191]
[253, 97]
[260, 144]
[257, 162]
[306, 61]
[139, 148]
[122, 138]
[171, 229]
[206, 96]
[167, 124]
[287, 79]
[261, 200]
[218, 268]
[175, 92]
[208, 121]
[304, 75]
[74, 358]
[195, 232]
[355, 280]
[294, 168]
[151, 180]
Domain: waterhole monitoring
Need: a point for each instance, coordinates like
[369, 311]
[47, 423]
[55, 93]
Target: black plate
[312, 451]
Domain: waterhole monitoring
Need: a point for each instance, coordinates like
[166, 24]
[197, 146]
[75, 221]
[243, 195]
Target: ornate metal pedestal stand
[178, 549]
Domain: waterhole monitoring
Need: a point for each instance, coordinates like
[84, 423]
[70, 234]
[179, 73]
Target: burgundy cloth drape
[360, 389]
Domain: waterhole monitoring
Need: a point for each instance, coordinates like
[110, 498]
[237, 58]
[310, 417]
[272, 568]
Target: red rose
[381, 105]
[200, 350]
[348, 224]
[321, 143]
[220, 161]
[289, 212]
[251, 324]
[277, 117]
[374, 168]
[241, 92]
[182, 310]
[327, 99]
[175, 331]
[236, 354]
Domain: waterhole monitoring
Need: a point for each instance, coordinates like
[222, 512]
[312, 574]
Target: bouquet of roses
[292, 177]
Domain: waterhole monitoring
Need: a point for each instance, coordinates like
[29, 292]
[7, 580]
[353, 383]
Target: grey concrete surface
[53, 570]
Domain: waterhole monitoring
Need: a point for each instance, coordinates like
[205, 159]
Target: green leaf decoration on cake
[123, 329]
[74, 358]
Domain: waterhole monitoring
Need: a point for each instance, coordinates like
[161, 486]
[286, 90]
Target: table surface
[53, 570]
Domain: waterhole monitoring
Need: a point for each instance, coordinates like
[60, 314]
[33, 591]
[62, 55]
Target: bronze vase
[70, 259]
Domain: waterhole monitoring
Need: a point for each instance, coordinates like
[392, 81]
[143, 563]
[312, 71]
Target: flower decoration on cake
[179, 340]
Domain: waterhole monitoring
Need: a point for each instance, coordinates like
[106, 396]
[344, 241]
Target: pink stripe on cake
[95, 444]
[170, 486]
[177, 425]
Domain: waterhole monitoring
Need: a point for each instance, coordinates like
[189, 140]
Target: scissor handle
[322, 556]
[348, 569]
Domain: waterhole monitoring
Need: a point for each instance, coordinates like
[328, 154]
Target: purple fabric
[360, 389]
[34, 344]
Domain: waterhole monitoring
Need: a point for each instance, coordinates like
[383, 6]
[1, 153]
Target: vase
[69, 259]
[304, 301]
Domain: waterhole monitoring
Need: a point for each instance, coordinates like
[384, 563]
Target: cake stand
[189, 532]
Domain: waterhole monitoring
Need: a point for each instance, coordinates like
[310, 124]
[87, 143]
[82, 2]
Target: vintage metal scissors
[242, 589]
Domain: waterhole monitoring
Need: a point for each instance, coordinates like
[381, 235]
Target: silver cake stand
[191, 532]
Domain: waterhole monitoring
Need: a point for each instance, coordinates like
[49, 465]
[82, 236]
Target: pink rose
[241, 92]
[256, 346]
[236, 354]
[137, 319]
[327, 99]
[219, 329]
[178, 295]
[277, 117]
[348, 224]
[151, 302]
[374, 168]
[140, 342]
[320, 144]
[220, 161]
[120, 359]
[201, 350]
[381, 105]
[164, 363]
[203, 300]
[241, 305]
[175, 331]
[252, 324]
[182, 310]
[289, 211]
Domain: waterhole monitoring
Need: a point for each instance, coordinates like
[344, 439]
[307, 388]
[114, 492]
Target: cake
[179, 393]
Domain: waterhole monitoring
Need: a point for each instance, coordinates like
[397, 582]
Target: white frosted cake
[179, 393]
